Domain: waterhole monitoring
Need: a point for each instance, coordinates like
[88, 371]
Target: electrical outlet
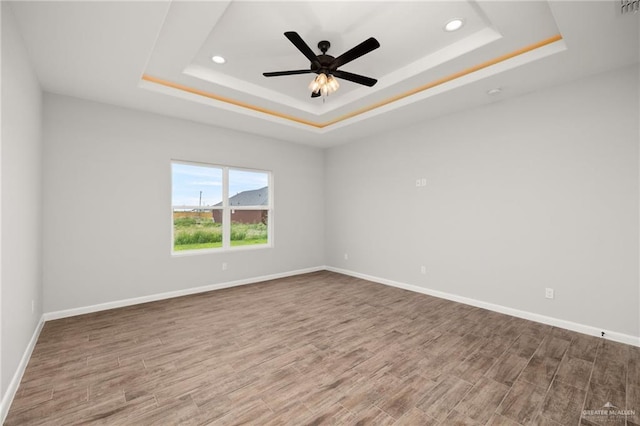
[548, 293]
[346, 256]
[423, 181]
[224, 266]
[423, 269]
[418, 182]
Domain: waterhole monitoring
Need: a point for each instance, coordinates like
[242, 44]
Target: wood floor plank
[522, 403]
[553, 347]
[444, 396]
[293, 413]
[331, 414]
[499, 420]
[540, 370]
[525, 345]
[372, 416]
[256, 412]
[584, 347]
[482, 401]
[456, 418]
[598, 396]
[574, 371]
[416, 417]
[330, 390]
[507, 368]
[472, 368]
[633, 373]
[563, 404]
[633, 403]
[610, 373]
[396, 403]
[319, 348]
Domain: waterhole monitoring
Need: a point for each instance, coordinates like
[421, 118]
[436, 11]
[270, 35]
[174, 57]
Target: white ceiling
[155, 56]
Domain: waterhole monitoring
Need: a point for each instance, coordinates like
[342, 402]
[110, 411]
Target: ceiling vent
[629, 6]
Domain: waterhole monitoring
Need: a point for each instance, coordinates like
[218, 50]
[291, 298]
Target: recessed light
[218, 59]
[453, 25]
[493, 92]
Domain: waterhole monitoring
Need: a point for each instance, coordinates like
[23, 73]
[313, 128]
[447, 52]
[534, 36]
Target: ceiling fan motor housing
[324, 60]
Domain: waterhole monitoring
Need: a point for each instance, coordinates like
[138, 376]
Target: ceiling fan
[326, 66]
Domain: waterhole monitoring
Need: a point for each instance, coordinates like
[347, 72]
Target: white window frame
[226, 211]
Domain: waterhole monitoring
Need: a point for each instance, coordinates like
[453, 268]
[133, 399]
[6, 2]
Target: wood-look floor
[320, 348]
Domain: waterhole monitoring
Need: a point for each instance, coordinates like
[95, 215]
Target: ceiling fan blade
[362, 49]
[356, 78]
[279, 73]
[302, 46]
[315, 94]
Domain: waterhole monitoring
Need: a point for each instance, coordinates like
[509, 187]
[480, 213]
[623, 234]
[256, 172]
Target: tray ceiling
[157, 56]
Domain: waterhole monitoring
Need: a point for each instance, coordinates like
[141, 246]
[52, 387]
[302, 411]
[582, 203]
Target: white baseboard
[168, 295]
[8, 396]
[569, 325]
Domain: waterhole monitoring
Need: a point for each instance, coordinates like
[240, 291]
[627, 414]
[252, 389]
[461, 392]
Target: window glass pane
[249, 227]
[194, 230]
[194, 189]
[248, 188]
[196, 185]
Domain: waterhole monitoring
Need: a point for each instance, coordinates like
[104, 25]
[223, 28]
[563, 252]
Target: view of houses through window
[218, 207]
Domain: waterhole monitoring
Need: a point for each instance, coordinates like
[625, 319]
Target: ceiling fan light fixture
[454, 25]
[314, 86]
[218, 59]
[332, 83]
[324, 84]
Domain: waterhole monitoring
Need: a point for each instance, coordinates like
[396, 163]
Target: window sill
[195, 252]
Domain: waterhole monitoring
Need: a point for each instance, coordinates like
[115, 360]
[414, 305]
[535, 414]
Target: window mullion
[226, 212]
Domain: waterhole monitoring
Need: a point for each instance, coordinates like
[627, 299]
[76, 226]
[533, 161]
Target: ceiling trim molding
[363, 110]
[446, 79]
[184, 88]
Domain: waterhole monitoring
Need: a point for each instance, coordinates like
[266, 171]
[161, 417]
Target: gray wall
[538, 191]
[107, 224]
[21, 188]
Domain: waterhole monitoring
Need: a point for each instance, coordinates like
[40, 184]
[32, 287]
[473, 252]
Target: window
[218, 207]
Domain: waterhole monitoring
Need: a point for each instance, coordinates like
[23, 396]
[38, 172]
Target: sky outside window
[189, 180]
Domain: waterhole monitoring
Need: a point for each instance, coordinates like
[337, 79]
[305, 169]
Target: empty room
[320, 212]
